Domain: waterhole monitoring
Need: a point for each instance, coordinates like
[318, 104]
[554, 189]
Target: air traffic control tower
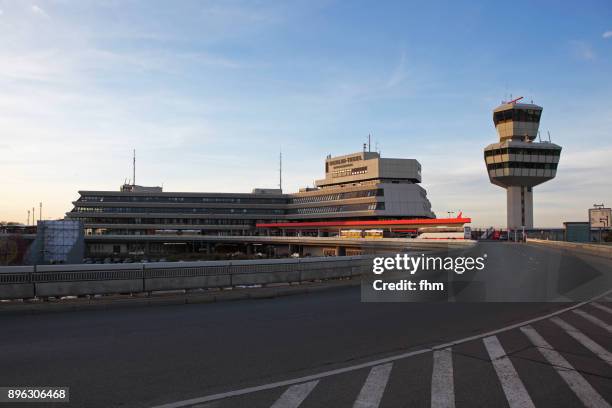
[517, 162]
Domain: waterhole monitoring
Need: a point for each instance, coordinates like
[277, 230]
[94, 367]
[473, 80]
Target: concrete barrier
[75, 280]
[189, 275]
[334, 269]
[262, 272]
[601, 250]
[67, 280]
[16, 282]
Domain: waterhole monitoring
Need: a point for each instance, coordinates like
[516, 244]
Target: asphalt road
[148, 356]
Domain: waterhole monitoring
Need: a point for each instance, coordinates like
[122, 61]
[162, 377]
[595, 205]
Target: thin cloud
[607, 34]
[38, 10]
[582, 50]
[399, 73]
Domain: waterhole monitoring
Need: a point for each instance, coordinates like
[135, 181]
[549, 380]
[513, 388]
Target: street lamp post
[605, 224]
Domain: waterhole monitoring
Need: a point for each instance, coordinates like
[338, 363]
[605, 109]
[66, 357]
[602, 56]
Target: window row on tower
[522, 165]
[517, 115]
[519, 150]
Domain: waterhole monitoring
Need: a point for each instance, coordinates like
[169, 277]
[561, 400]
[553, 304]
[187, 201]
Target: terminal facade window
[379, 192]
[153, 210]
[349, 172]
[168, 221]
[194, 200]
[338, 208]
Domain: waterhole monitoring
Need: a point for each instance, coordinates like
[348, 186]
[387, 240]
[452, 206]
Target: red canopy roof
[368, 223]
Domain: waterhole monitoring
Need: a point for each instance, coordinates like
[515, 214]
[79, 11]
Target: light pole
[601, 220]
[606, 223]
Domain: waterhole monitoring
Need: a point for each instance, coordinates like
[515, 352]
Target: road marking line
[401, 356]
[594, 320]
[583, 390]
[442, 385]
[515, 391]
[608, 298]
[584, 340]
[602, 307]
[374, 387]
[295, 395]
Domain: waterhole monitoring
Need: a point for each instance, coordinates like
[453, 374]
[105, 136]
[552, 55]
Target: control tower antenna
[513, 101]
[134, 168]
[548, 131]
[369, 142]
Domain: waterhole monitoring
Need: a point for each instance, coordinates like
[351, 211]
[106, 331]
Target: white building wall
[516, 208]
[401, 199]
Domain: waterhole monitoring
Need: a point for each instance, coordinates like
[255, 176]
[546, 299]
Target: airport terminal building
[359, 189]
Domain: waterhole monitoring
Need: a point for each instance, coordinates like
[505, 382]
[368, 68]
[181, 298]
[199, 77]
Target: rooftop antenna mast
[369, 142]
[548, 136]
[134, 168]
[280, 170]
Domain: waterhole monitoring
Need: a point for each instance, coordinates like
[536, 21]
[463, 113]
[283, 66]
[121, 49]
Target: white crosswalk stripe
[442, 384]
[602, 307]
[593, 319]
[584, 340]
[513, 387]
[374, 387]
[295, 395]
[583, 390]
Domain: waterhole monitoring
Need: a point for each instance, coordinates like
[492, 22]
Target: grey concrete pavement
[142, 357]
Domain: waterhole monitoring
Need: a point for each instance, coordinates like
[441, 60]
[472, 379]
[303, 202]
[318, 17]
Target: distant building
[57, 242]
[399, 179]
[361, 187]
[357, 187]
[577, 232]
[517, 162]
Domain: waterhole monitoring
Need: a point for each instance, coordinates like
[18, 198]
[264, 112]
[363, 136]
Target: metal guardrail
[83, 279]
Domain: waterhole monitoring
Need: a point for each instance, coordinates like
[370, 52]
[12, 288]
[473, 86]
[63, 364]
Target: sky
[209, 92]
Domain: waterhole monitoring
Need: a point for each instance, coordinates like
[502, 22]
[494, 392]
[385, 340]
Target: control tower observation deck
[518, 163]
